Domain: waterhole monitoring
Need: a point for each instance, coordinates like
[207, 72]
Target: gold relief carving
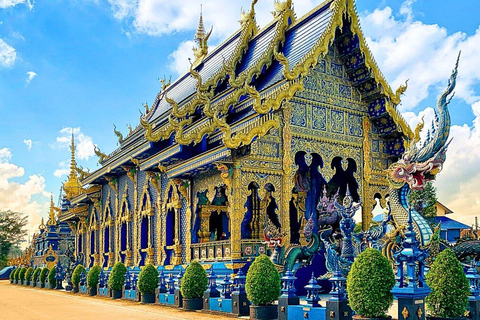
[47, 260]
[112, 182]
[367, 174]
[405, 313]
[226, 174]
[287, 178]
[234, 266]
[131, 171]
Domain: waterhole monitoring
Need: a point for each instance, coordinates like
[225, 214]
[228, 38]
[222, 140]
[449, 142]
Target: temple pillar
[235, 212]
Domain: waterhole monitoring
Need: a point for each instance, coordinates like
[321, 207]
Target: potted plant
[52, 281]
[117, 279]
[12, 275]
[92, 279]
[369, 285]
[35, 276]
[28, 276]
[148, 282]
[450, 287]
[76, 276]
[193, 285]
[263, 288]
[23, 270]
[43, 277]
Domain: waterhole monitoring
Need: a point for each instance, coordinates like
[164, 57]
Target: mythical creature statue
[117, 133]
[419, 165]
[101, 156]
[281, 6]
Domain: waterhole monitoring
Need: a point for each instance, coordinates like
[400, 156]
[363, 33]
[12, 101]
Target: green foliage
[28, 274]
[450, 286]
[23, 270]
[17, 274]
[117, 276]
[194, 281]
[424, 200]
[43, 275]
[263, 282]
[36, 274]
[92, 276]
[12, 274]
[369, 283]
[77, 273]
[12, 231]
[148, 279]
[51, 276]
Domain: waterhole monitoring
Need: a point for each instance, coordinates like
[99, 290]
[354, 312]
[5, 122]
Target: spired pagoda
[52, 243]
[248, 141]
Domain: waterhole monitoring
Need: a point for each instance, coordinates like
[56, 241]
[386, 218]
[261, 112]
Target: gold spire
[51, 219]
[201, 38]
[72, 187]
[42, 227]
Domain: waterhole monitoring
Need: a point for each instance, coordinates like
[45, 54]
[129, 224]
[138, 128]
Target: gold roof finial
[42, 227]
[201, 38]
[51, 219]
[72, 187]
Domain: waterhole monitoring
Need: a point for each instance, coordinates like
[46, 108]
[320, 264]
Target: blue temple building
[249, 137]
[53, 239]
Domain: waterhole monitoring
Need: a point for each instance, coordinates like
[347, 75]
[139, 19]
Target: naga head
[422, 162]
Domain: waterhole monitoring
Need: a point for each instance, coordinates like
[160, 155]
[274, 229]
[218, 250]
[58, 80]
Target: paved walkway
[25, 303]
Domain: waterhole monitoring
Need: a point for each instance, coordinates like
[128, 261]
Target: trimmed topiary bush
[92, 276]
[263, 282]
[36, 274]
[16, 276]
[23, 270]
[51, 277]
[369, 283]
[12, 275]
[43, 275]
[77, 273]
[117, 276]
[28, 274]
[194, 281]
[450, 286]
[148, 279]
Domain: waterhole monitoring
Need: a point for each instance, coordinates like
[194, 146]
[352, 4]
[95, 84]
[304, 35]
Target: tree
[12, 232]
[424, 200]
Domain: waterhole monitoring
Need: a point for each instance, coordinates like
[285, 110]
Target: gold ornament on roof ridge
[72, 186]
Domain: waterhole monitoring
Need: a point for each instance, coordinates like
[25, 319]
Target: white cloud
[424, 53]
[157, 17]
[83, 143]
[7, 54]
[30, 76]
[406, 48]
[62, 170]
[29, 143]
[30, 197]
[12, 3]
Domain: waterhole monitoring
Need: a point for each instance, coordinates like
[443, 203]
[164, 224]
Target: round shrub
[263, 282]
[450, 286]
[148, 279]
[36, 274]
[28, 274]
[23, 270]
[51, 276]
[117, 276]
[369, 283]
[43, 275]
[12, 275]
[92, 276]
[17, 274]
[194, 281]
[77, 273]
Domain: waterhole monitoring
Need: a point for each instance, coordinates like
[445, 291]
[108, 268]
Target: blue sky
[88, 64]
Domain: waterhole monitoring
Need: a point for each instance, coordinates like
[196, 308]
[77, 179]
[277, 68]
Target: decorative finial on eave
[201, 38]
[51, 220]
[42, 227]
